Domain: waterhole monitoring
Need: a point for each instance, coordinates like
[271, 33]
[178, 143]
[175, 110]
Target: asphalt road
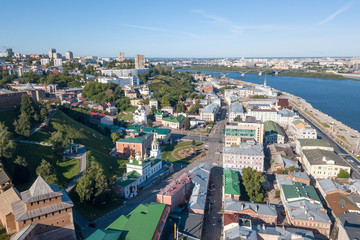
[350, 160]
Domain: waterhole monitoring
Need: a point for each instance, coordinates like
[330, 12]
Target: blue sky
[183, 28]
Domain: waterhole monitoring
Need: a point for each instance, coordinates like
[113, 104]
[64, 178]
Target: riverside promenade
[348, 138]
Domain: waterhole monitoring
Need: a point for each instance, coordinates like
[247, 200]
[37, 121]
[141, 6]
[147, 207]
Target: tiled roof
[141, 223]
[3, 177]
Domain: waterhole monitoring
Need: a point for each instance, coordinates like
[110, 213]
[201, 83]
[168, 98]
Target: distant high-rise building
[9, 52]
[121, 56]
[69, 55]
[58, 62]
[51, 52]
[56, 56]
[139, 61]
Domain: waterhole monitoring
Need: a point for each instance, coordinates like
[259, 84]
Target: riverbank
[341, 133]
[292, 73]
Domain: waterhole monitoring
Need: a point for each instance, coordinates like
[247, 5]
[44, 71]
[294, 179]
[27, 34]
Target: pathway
[82, 156]
[32, 142]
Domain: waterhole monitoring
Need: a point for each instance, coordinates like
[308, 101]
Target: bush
[343, 174]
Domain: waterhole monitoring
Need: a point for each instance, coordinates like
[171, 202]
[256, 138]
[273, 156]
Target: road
[350, 160]
[82, 156]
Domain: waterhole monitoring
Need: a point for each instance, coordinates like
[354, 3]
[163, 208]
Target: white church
[140, 115]
[140, 169]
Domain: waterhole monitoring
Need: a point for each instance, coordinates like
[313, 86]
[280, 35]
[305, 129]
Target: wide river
[337, 98]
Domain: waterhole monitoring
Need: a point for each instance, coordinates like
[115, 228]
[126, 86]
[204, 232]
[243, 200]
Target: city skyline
[167, 29]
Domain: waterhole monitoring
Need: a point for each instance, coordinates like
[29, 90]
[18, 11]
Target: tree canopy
[252, 181]
[7, 145]
[47, 171]
[343, 174]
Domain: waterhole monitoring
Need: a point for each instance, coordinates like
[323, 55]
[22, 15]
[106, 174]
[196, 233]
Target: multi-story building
[175, 123]
[44, 61]
[236, 110]
[153, 103]
[235, 133]
[51, 52]
[303, 207]
[263, 114]
[175, 193]
[248, 154]
[209, 112]
[121, 56]
[349, 227]
[139, 61]
[201, 180]
[273, 133]
[136, 142]
[58, 62]
[301, 130]
[258, 213]
[140, 115]
[231, 184]
[121, 81]
[321, 163]
[69, 55]
[124, 72]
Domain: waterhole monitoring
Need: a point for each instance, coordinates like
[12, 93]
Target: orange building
[136, 142]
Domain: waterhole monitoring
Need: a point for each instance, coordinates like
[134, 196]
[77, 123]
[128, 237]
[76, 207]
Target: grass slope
[34, 154]
[8, 118]
[81, 133]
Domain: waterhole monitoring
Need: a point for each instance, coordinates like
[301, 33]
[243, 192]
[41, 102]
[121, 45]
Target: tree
[115, 136]
[43, 114]
[92, 186]
[153, 109]
[193, 143]
[180, 107]
[58, 141]
[343, 174]
[23, 125]
[21, 171]
[47, 171]
[187, 123]
[27, 106]
[149, 123]
[7, 145]
[252, 181]
[237, 119]
[165, 100]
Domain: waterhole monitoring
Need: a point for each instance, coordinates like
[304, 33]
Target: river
[337, 98]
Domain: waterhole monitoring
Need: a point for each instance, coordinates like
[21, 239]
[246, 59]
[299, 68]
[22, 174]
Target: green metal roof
[160, 131]
[231, 182]
[271, 127]
[299, 190]
[138, 139]
[136, 127]
[131, 177]
[314, 142]
[100, 234]
[141, 223]
[178, 119]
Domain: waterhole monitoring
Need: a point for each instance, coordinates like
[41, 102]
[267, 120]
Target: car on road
[218, 152]
[216, 164]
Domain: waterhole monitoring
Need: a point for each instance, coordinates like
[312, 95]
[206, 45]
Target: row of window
[44, 216]
[311, 224]
[44, 201]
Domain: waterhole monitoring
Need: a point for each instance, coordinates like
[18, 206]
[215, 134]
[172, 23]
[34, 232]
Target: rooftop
[211, 108]
[298, 191]
[351, 223]
[141, 223]
[238, 206]
[271, 127]
[324, 157]
[314, 143]
[236, 108]
[100, 234]
[304, 210]
[136, 139]
[245, 149]
[177, 119]
[231, 182]
[130, 178]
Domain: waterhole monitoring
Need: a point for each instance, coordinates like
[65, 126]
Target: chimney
[263, 226]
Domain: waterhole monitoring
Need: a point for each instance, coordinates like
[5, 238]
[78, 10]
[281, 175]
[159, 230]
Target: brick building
[42, 204]
[136, 142]
[175, 193]
[258, 213]
[9, 99]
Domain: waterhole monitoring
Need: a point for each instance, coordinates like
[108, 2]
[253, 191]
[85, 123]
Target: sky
[174, 28]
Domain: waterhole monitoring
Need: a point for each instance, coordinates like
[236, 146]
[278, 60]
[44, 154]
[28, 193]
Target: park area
[184, 152]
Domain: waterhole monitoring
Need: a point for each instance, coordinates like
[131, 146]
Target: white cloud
[339, 11]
